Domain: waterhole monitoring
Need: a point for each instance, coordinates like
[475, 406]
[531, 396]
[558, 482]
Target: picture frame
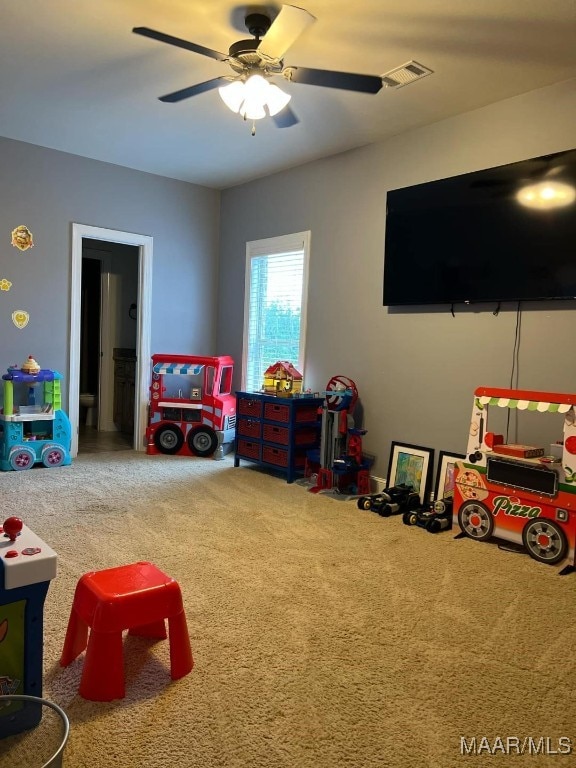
[445, 474]
[412, 465]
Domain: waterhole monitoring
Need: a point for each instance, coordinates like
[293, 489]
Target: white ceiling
[74, 77]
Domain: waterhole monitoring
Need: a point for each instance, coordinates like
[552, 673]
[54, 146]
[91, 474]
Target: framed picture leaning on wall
[411, 465]
[445, 475]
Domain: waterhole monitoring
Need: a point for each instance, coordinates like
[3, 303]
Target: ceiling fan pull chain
[253, 127]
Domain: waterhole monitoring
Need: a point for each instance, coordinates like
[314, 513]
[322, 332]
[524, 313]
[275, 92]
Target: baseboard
[377, 484]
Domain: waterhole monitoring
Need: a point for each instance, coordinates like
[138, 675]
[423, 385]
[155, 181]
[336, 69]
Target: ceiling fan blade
[194, 90]
[161, 37]
[346, 81]
[286, 118]
[284, 31]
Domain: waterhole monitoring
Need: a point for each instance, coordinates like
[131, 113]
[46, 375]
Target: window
[226, 380]
[274, 305]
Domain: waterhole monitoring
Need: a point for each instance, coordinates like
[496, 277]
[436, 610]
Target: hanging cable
[515, 361]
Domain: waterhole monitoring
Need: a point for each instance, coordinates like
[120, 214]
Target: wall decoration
[20, 318]
[445, 475]
[5, 285]
[411, 465]
[22, 238]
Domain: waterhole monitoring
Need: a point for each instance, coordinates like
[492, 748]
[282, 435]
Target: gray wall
[47, 190]
[415, 370]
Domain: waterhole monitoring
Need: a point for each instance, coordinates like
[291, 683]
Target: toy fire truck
[192, 411]
[520, 493]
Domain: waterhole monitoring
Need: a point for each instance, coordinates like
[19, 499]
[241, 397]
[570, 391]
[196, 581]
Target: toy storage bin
[248, 406]
[276, 456]
[249, 449]
[41, 746]
[276, 412]
[307, 413]
[281, 435]
[275, 434]
[279, 457]
[249, 428]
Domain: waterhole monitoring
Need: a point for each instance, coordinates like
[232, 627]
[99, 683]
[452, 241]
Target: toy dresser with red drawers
[519, 493]
[276, 432]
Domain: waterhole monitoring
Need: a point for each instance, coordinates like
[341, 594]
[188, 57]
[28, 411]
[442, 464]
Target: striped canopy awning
[178, 368]
[539, 406]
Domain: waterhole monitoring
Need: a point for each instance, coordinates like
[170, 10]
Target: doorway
[107, 332]
[84, 238]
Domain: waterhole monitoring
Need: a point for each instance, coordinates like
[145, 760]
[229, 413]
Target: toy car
[391, 501]
[434, 518]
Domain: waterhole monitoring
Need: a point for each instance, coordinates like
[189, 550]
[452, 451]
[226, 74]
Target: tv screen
[469, 238]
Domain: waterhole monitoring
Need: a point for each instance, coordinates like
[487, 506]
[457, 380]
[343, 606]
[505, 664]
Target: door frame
[143, 325]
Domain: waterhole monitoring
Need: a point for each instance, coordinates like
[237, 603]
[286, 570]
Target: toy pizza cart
[523, 494]
[27, 566]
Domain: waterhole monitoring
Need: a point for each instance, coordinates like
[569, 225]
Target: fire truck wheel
[545, 541]
[168, 439]
[476, 521]
[202, 441]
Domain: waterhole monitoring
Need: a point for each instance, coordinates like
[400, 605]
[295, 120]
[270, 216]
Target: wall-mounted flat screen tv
[502, 234]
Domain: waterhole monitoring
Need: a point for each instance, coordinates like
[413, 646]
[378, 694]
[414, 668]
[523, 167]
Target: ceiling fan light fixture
[233, 95]
[256, 87]
[250, 98]
[252, 109]
[277, 99]
[546, 195]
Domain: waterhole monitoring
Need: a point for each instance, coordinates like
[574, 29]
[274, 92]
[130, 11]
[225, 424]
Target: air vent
[405, 74]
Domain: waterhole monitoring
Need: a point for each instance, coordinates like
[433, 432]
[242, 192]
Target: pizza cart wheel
[476, 521]
[545, 541]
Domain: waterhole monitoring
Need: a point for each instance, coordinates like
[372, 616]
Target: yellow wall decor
[5, 285]
[20, 318]
[22, 238]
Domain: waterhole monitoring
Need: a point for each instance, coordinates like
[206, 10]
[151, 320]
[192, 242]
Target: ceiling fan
[255, 62]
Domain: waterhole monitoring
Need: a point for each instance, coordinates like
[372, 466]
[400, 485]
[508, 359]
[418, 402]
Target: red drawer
[275, 434]
[305, 436]
[277, 412]
[248, 449]
[281, 435]
[275, 456]
[249, 407]
[306, 413]
[249, 427]
[279, 457]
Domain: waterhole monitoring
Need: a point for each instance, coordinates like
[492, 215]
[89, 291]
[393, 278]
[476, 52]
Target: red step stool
[136, 597]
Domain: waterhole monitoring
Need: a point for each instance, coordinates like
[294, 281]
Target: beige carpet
[323, 636]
